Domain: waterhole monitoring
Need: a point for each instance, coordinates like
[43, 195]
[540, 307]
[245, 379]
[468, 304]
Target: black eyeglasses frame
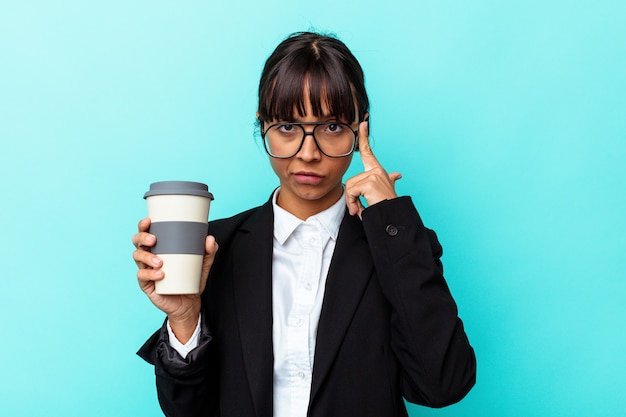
[355, 145]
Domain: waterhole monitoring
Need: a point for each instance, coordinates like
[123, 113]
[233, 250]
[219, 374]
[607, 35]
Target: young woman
[313, 305]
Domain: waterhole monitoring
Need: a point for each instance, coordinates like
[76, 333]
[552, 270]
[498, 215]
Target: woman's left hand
[374, 184]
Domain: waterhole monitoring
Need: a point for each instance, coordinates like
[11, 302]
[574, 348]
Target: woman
[311, 308]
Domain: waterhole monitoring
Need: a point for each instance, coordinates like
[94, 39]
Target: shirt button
[301, 375]
[308, 286]
[391, 230]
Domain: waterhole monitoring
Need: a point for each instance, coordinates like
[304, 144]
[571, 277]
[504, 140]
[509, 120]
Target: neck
[303, 208]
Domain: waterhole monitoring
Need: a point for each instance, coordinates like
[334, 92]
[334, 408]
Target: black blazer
[388, 329]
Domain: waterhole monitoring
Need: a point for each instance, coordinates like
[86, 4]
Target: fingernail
[155, 261]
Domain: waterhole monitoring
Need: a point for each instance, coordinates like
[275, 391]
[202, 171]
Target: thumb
[394, 176]
[211, 248]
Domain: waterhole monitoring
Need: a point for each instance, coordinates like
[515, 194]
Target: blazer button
[391, 230]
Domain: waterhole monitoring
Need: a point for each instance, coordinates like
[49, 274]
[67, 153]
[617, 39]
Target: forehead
[309, 107]
[311, 95]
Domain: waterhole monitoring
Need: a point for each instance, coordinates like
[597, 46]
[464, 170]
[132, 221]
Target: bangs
[329, 91]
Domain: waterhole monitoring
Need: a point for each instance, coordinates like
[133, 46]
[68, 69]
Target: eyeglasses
[333, 139]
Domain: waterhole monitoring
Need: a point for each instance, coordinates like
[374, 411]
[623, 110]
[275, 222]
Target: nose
[309, 151]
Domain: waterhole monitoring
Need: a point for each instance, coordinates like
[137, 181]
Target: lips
[308, 178]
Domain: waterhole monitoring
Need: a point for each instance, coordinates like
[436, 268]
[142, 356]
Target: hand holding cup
[174, 253]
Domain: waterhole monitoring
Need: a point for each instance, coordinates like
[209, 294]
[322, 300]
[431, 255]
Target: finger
[143, 255]
[367, 156]
[139, 238]
[144, 225]
[143, 240]
[394, 176]
[145, 259]
[150, 274]
[353, 202]
[360, 212]
[146, 278]
[211, 245]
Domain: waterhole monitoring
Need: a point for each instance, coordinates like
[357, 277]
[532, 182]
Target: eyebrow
[321, 119]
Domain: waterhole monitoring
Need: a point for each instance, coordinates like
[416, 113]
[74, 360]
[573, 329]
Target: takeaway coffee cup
[179, 212]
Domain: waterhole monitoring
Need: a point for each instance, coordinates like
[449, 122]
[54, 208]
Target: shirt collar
[285, 223]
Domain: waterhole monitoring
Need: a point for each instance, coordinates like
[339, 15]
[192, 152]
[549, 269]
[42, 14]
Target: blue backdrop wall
[506, 120]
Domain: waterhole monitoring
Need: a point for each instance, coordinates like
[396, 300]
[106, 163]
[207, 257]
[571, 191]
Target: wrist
[184, 326]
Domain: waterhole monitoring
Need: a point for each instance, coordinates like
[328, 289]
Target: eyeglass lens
[333, 139]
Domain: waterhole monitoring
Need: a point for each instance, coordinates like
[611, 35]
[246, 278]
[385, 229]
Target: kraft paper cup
[179, 212]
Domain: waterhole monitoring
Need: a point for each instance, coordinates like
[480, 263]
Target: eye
[334, 128]
[286, 128]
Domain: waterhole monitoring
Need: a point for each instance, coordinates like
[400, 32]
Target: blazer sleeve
[186, 387]
[189, 387]
[427, 336]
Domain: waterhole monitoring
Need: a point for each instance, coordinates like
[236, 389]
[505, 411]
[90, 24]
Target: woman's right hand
[182, 310]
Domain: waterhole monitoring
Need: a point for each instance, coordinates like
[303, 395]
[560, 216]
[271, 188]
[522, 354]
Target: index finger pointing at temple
[367, 156]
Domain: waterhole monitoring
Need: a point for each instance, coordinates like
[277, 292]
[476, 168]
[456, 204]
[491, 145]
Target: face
[310, 181]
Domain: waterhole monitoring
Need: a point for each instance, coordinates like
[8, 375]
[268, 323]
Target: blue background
[506, 120]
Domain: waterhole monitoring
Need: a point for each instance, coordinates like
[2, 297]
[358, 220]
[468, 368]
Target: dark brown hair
[332, 74]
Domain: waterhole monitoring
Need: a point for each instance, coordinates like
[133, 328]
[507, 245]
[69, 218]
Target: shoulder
[224, 229]
[226, 226]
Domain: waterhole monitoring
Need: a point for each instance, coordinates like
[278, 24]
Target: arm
[186, 386]
[427, 336]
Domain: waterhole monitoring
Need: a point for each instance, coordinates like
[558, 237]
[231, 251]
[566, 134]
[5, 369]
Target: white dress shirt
[302, 251]
[302, 254]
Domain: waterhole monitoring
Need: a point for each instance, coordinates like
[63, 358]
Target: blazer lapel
[349, 272]
[252, 282]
